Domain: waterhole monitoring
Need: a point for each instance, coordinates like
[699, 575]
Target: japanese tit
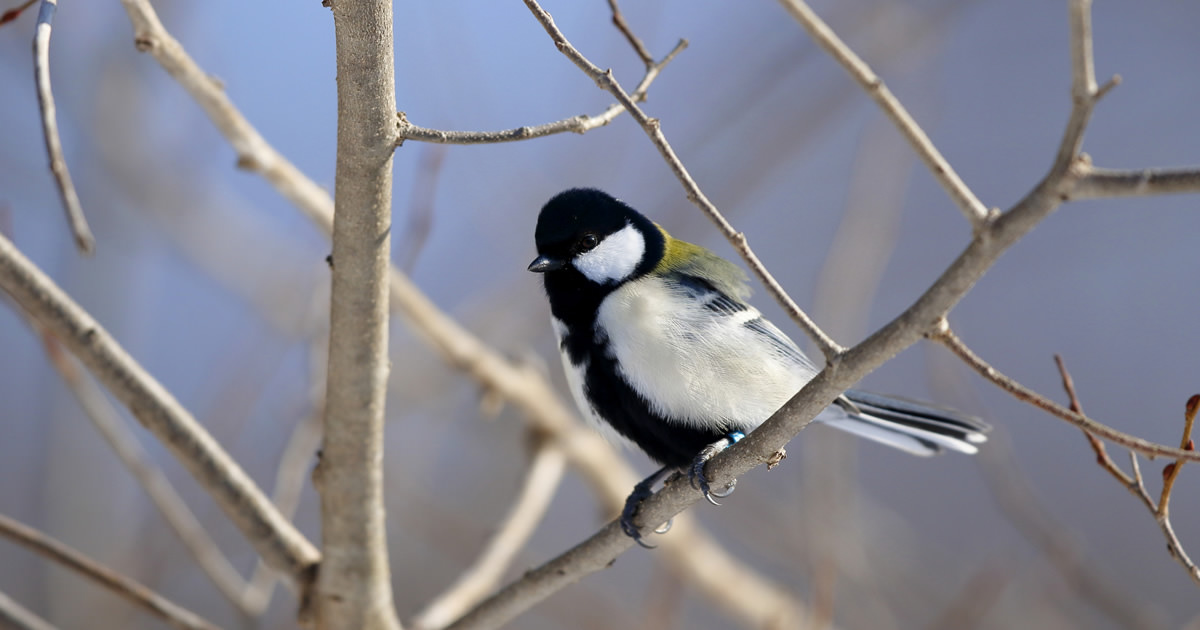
[661, 349]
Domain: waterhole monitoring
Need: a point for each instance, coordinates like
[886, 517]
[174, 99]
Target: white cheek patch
[614, 258]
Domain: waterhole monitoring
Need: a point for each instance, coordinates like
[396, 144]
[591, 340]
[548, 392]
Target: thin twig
[580, 124]
[173, 508]
[1101, 183]
[1171, 471]
[618, 19]
[58, 163]
[605, 80]
[1134, 486]
[945, 336]
[967, 202]
[14, 616]
[472, 585]
[11, 14]
[134, 592]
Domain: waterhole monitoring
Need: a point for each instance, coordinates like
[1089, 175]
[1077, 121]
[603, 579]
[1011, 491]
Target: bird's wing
[716, 301]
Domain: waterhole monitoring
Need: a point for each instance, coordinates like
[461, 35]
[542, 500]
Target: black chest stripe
[670, 444]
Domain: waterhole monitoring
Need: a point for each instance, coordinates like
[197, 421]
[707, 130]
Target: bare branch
[1171, 471]
[604, 79]
[15, 616]
[945, 336]
[575, 124]
[1134, 486]
[1101, 183]
[275, 539]
[135, 593]
[11, 14]
[967, 202]
[58, 164]
[127, 448]
[354, 588]
[541, 482]
[618, 19]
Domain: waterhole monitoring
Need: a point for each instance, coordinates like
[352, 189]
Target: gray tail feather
[917, 427]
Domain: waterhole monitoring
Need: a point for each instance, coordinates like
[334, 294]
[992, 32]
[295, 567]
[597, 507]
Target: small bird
[661, 349]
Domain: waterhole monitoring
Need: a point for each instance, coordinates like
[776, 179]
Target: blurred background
[219, 288]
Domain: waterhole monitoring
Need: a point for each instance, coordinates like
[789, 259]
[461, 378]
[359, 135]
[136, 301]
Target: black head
[585, 235]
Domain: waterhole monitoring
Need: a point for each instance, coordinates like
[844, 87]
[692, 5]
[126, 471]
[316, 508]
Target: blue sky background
[218, 287]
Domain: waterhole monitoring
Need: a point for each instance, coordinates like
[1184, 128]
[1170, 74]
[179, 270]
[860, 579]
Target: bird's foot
[643, 490]
[696, 472]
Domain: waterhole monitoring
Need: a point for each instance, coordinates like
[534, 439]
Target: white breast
[695, 368]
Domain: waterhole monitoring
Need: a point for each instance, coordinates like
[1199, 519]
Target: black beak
[542, 264]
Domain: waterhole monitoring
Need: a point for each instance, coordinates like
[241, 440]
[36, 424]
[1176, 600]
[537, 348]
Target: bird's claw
[640, 493]
[696, 474]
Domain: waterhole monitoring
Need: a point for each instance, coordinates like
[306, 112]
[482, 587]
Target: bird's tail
[916, 427]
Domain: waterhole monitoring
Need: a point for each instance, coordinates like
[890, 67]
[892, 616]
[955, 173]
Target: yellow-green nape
[676, 252]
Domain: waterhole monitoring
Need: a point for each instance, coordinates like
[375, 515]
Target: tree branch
[135, 593]
[1101, 183]
[275, 539]
[576, 124]
[354, 587]
[967, 202]
[604, 79]
[945, 336]
[58, 163]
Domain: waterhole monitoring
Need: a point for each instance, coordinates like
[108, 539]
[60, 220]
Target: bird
[662, 350]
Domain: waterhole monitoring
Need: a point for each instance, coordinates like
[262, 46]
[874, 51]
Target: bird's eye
[588, 242]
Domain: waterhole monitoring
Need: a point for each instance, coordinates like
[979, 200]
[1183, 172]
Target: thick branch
[967, 202]
[58, 163]
[135, 593]
[275, 539]
[354, 584]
